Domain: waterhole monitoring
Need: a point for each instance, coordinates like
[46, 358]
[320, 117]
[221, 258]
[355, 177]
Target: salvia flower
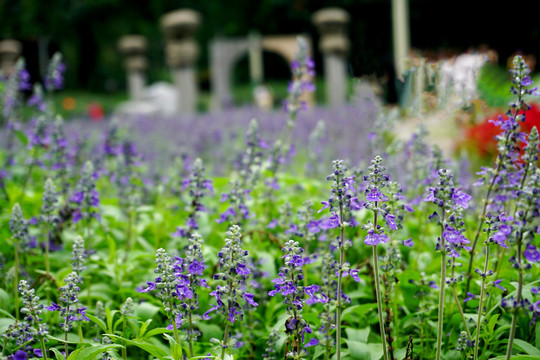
[342, 200]
[451, 201]
[376, 200]
[37, 100]
[18, 225]
[166, 284]
[290, 285]
[54, 80]
[238, 211]
[232, 275]
[303, 70]
[50, 203]
[127, 309]
[197, 186]
[250, 162]
[32, 310]
[86, 197]
[189, 272]
[79, 256]
[71, 311]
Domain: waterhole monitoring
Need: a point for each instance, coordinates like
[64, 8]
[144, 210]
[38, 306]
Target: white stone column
[10, 50]
[256, 68]
[401, 34]
[334, 44]
[182, 52]
[133, 47]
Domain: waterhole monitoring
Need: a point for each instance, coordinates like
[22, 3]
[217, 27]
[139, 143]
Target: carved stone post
[133, 47]
[400, 30]
[182, 52]
[10, 50]
[334, 44]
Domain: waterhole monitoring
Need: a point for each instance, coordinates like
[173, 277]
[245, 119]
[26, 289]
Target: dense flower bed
[111, 248]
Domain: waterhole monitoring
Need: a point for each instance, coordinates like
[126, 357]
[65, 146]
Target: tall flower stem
[518, 301]
[481, 303]
[340, 281]
[43, 349]
[225, 338]
[29, 171]
[379, 303]
[66, 348]
[16, 279]
[456, 300]
[441, 295]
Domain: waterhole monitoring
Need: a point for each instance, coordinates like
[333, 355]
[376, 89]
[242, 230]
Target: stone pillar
[334, 44]
[10, 50]
[182, 52]
[256, 68]
[402, 39]
[133, 47]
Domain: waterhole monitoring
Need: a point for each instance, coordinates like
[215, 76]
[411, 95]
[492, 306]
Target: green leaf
[91, 352]
[517, 357]
[360, 335]
[492, 322]
[358, 350]
[149, 348]
[98, 322]
[144, 326]
[155, 331]
[22, 137]
[57, 353]
[528, 348]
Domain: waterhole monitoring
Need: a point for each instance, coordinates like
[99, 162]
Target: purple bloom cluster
[189, 272]
[451, 202]
[71, 311]
[289, 285]
[86, 197]
[343, 198]
[303, 70]
[169, 286]
[198, 187]
[376, 200]
[237, 212]
[54, 80]
[233, 273]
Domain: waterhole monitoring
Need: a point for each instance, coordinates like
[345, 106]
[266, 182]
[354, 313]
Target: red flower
[481, 137]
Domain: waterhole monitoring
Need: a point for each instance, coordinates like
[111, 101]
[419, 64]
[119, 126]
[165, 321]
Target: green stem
[43, 349]
[16, 279]
[124, 350]
[47, 240]
[456, 300]
[225, 338]
[340, 281]
[29, 172]
[518, 300]
[480, 305]
[378, 295]
[441, 294]
[66, 348]
[79, 331]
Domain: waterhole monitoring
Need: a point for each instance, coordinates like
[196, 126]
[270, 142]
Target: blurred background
[86, 33]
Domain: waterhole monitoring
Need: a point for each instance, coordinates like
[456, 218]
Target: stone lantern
[10, 50]
[182, 52]
[133, 47]
[334, 44]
